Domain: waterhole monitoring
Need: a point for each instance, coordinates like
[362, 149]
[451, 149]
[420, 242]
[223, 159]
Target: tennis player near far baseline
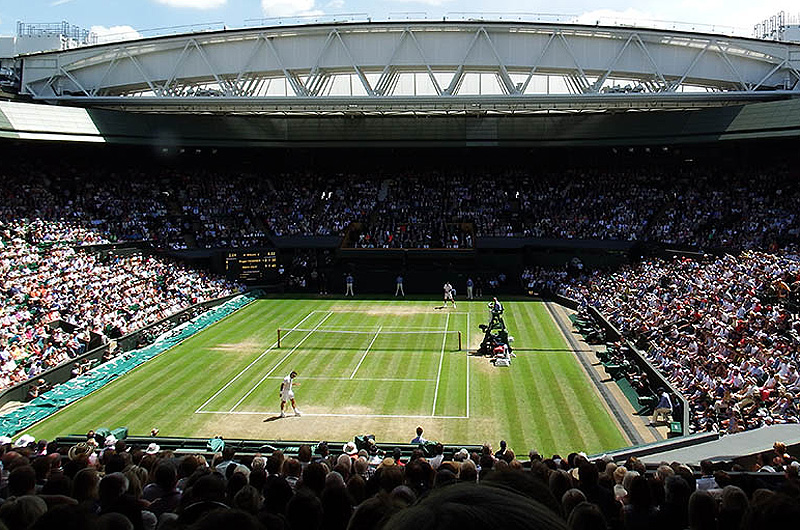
[449, 294]
[287, 394]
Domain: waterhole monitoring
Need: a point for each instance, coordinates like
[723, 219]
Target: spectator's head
[571, 498]
[586, 516]
[20, 513]
[702, 511]
[22, 481]
[468, 506]
[304, 510]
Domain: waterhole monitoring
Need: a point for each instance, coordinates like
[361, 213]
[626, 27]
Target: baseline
[334, 415]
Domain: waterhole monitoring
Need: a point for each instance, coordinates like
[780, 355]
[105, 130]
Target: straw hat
[79, 450]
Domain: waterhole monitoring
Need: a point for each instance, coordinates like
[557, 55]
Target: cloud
[194, 4]
[286, 8]
[115, 33]
[335, 4]
[59, 2]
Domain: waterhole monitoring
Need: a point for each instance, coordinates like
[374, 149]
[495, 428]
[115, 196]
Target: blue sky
[115, 16]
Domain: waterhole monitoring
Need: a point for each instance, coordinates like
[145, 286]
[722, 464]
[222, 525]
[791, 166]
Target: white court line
[279, 363]
[441, 359]
[246, 368]
[366, 352]
[359, 379]
[468, 365]
[394, 314]
[307, 415]
[348, 328]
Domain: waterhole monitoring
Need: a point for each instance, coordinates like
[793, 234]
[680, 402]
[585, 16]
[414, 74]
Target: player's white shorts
[448, 296]
[287, 396]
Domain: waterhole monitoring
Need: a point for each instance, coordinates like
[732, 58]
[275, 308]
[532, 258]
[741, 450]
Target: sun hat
[350, 448]
[24, 440]
[111, 440]
[152, 449]
[79, 450]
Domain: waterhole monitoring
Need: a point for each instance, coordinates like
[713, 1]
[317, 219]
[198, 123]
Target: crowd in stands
[719, 329]
[55, 295]
[695, 206]
[105, 483]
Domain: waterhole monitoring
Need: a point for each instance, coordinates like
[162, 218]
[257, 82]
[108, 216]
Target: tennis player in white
[287, 394]
[448, 294]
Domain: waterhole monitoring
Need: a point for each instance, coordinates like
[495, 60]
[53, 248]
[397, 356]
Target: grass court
[364, 366]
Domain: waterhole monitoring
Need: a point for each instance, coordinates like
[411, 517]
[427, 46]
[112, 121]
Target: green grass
[225, 380]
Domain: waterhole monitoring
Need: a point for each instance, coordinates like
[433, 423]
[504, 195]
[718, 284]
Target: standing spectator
[349, 283]
[399, 290]
[418, 439]
[663, 409]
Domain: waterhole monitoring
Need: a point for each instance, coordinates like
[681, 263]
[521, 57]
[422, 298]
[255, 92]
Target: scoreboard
[250, 265]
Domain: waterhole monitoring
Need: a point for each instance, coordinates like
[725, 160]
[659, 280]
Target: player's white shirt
[448, 291]
[286, 393]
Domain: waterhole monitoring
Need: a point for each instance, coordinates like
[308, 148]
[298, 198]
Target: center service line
[280, 362]
[246, 368]
[366, 352]
[441, 359]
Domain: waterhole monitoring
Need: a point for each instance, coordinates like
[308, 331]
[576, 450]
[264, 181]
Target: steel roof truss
[656, 69]
[223, 84]
[536, 64]
[432, 77]
[584, 81]
[381, 84]
[602, 79]
[679, 82]
[176, 68]
[721, 51]
[457, 78]
[155, 89]
[506, 82]
[359, 73]
[769, 74]
[253, 54]
[72, 78]
[316, 81]
[292, 78]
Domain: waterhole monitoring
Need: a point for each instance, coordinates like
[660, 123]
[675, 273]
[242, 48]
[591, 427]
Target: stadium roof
[417, 68]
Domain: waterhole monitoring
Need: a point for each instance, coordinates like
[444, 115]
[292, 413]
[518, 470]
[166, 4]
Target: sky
[117, 19]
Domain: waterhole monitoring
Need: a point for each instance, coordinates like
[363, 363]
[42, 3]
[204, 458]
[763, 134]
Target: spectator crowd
[720, 330]
[55, 295]
[104, 483]
[705, 207]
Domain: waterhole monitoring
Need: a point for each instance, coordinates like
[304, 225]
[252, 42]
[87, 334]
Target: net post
[279, 337]
[459, 341]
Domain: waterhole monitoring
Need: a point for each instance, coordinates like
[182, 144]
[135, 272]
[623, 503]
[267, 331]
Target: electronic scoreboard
[251, 265]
